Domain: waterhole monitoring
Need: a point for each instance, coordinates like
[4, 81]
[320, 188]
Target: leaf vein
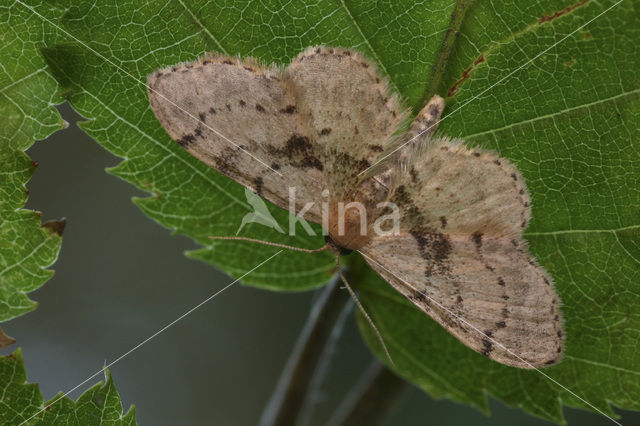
[553, 114]
[369, 45]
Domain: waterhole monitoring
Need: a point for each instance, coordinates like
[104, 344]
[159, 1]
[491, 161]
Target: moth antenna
[366, 315]
[269, 243]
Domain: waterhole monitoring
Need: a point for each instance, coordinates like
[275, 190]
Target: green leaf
[569, 120]
[22, 403]
[27, 95]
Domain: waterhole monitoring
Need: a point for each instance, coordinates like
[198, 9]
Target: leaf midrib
[603, 365]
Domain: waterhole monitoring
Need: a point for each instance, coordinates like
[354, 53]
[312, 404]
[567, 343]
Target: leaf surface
[22, 403]
[28, 94]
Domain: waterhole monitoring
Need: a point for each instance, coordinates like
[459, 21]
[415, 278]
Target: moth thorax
[348, 226]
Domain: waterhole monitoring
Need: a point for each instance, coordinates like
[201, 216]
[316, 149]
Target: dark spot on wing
[487, 347]
[443, 222]
[513, 176]
[259, 108]
[241, 103]
[418, 296]
[226, 162]
[185, 140]
[275, 166]
[551, 361]
[459, 299]
[497, 162]
[228, 107]
[212, 110]
[259, 183]
[413, 174]
[299, 151]
[501, 281]
[325, 131]
[477, 154]
[489, 267]
[501, 324]
[376, 148]
[476, 237]
[435, 248]
[348, 163]
[289, 109]
[202, 116]
[403, 200]
[228, 62]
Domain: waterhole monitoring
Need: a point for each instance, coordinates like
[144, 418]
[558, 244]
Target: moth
[330, 120]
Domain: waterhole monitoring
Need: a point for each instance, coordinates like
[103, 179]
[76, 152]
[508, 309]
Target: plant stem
[319, 376]
[371, 398]
[287, 400]
[457, 17]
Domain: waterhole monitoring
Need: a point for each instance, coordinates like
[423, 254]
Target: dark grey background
[120, 277]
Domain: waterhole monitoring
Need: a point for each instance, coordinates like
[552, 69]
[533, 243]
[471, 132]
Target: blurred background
[121, 277]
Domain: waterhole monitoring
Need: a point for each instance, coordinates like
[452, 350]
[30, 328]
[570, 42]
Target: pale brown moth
[328, 117]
